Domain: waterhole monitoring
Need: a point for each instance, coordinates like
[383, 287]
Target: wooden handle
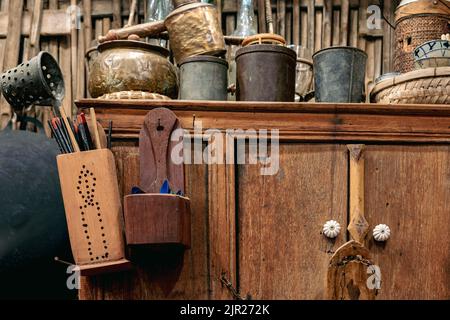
[358, 227]
[141, 30]
[95, 129]
[76, 148]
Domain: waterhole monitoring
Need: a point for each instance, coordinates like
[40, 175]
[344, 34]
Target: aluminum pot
[203, 78]
[125, 65]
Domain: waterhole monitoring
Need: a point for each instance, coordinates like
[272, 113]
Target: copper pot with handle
[125, 65]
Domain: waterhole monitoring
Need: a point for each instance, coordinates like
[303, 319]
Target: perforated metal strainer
[38, 81]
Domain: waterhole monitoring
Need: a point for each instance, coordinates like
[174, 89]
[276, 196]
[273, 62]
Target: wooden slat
[345, 9]
[53, 45]
[288, 27]
[318, 31]
[388, 38]
[54, 23]
[336, 28]
[296, 22]
[116, 13]
[222, 227]
[81, 73]
[311, 24]
[304, 25]
[11, 53]
[87, 9]
[261, 16]
[327, 20]
[354, 28]
[362, 27]
[35, 28]
[230, 24]
[281, 18]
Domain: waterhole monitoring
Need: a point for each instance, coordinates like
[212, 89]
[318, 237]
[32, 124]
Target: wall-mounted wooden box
[156, 219]
[93, 211]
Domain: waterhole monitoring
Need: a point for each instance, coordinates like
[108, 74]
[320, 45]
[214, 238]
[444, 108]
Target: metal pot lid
[131, 44]
[203, 58]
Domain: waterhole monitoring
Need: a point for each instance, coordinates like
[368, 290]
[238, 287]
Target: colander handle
[25, 119]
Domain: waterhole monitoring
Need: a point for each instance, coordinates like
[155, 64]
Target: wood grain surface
[282, 253]
[162, 278]
[408, 188]
[92, 206]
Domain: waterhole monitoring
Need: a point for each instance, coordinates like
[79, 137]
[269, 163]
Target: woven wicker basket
[133, 95]
[425, 86]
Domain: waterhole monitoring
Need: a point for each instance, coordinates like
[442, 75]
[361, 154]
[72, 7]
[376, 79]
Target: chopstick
[68, 128]
[74, 137]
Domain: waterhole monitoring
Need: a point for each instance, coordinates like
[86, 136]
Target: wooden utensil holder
[93, 211]
[155, 219]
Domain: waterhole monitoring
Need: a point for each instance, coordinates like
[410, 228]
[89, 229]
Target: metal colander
[38, 81]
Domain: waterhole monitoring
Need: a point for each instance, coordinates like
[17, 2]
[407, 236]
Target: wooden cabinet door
[282, 253]
[408, 188]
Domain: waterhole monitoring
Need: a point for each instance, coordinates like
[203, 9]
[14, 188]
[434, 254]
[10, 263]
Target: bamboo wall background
[315, 24]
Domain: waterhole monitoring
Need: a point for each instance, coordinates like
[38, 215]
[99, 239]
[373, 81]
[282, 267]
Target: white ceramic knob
[331, 229]
[381, 233]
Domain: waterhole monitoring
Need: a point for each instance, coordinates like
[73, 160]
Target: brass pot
[125, 65]
[194, 29]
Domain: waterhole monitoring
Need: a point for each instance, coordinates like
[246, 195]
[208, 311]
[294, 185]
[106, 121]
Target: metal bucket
[339, 74]
[265, 72]
[38, 81]
[203, 78]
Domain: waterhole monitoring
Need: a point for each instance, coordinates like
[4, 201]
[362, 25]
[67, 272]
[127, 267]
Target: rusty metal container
[194, 29]
[265, 72]
[125, 65]
[203, 78]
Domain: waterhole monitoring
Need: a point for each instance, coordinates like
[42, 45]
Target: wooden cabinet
[262, 234]
[281, 251]
[408, 188]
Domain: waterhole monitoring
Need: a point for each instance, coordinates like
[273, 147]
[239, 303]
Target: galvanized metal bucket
[203, 78]
[339, 74]
[265, 72]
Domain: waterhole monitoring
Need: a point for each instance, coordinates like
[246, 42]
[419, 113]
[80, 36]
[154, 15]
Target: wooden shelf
[295, 121]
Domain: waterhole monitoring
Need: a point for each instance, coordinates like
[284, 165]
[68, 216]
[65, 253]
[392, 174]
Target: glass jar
[245, 26]
[246, 20]
[158, 10]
